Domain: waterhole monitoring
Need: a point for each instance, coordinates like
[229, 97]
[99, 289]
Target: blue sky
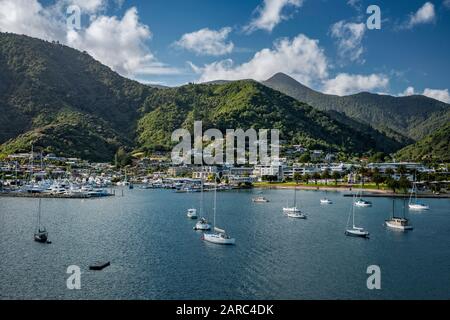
[322, 43]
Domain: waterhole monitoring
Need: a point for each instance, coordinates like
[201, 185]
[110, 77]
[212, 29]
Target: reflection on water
[155, 254]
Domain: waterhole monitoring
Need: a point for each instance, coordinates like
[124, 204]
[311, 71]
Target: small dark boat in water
[41, 234]
[99, 266]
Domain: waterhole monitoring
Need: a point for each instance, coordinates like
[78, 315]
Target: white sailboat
[360, 202]
[325, 200]
[294, 212]
[202, 224]
[355, 231]
[41, 234]
[413, 204]
[398, 223]
[219, 236]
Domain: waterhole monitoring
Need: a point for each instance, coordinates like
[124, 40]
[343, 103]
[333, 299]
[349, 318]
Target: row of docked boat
[64, 188]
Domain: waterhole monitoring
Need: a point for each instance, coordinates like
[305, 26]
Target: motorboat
[260, 200]
[192, 213]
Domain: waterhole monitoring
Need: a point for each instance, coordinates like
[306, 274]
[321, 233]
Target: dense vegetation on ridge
[433, 148]
[249, 104]
[64, 101]
[402, 118]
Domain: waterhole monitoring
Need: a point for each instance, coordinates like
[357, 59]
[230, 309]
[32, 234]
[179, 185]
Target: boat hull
[217, 239]
[202, 226]
[362, 205]
[42, 238]
[397, 227]
[357, 233]
[418, 207]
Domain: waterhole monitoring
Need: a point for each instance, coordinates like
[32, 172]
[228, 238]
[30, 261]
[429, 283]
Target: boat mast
[295, 196]
[353, 216]
[32, 163]
[201, 194]
[39, 215]
[215, 199]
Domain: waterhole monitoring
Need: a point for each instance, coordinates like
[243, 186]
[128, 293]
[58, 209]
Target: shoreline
[320, 188]
[352, 190]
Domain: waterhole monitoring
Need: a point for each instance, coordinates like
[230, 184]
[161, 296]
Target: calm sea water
[155, 254]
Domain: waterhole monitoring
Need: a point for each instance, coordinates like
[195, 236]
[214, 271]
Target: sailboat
[413, 204]
[294, 212]
[202, 224]
[325, 200]
[355, 231]
[41, 234]
[219, 236]
[360, 202]
[398, 223]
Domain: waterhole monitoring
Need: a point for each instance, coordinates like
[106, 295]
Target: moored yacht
[260, 200]
[41, 234]
[202, 225]
[413, 203]
[398, 223]
[355, 231]
[192, 213]
[294, 212]
[325, 201]
[362, 203]
[219, 236]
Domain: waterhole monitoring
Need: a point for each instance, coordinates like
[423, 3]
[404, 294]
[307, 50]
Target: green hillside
[64, 97]
[401, 118]
[248, 104]
[64, 101]
[433, 148]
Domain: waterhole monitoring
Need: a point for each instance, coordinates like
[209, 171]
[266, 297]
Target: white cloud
[88, 6]
[349, 36]
[408, 92]
[270, 14]
[446, 4]
[29, 17]
[207, 42]
[426, 14]
[118, 43]
[301, 57]
[441, 95]
[345, 84]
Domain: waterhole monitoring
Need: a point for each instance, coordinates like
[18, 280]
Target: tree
[377, 178]
[304, 158]
[326, 175]
[306, 178]
[297, 176]
[336, 176]
[404, 184]
[401, 170]
[389, 172]
[392, 183]
[363, 171]
[316, 176]
[122, 158]
[377, 157]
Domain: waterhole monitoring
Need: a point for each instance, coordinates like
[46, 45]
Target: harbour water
[155, 253]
